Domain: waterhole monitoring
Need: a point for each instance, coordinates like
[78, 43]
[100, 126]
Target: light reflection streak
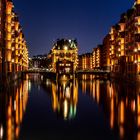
[120, 102]
[64, 98]
[12, 108]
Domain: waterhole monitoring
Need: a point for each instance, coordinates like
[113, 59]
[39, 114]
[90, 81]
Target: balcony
[138, 10]
[137, 1]
[137, 37]
[122, 34]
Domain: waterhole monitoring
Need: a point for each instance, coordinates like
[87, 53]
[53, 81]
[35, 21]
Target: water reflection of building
[89, 85]
[120, 103]
[65, 98]
[12, 108]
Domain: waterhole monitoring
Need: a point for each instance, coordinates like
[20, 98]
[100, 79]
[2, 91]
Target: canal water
[84, 108]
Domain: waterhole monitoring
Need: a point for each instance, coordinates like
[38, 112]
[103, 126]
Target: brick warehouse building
[13, 48]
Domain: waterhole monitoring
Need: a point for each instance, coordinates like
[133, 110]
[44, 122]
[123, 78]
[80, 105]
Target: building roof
[65, 44]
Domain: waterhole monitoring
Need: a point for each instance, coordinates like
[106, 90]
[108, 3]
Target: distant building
[40, 62]
[106, 53]
[85, 61]
[64, 50]
[97, 57]
[80, 66]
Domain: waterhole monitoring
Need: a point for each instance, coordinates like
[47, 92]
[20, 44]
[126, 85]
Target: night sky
[88, 21]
